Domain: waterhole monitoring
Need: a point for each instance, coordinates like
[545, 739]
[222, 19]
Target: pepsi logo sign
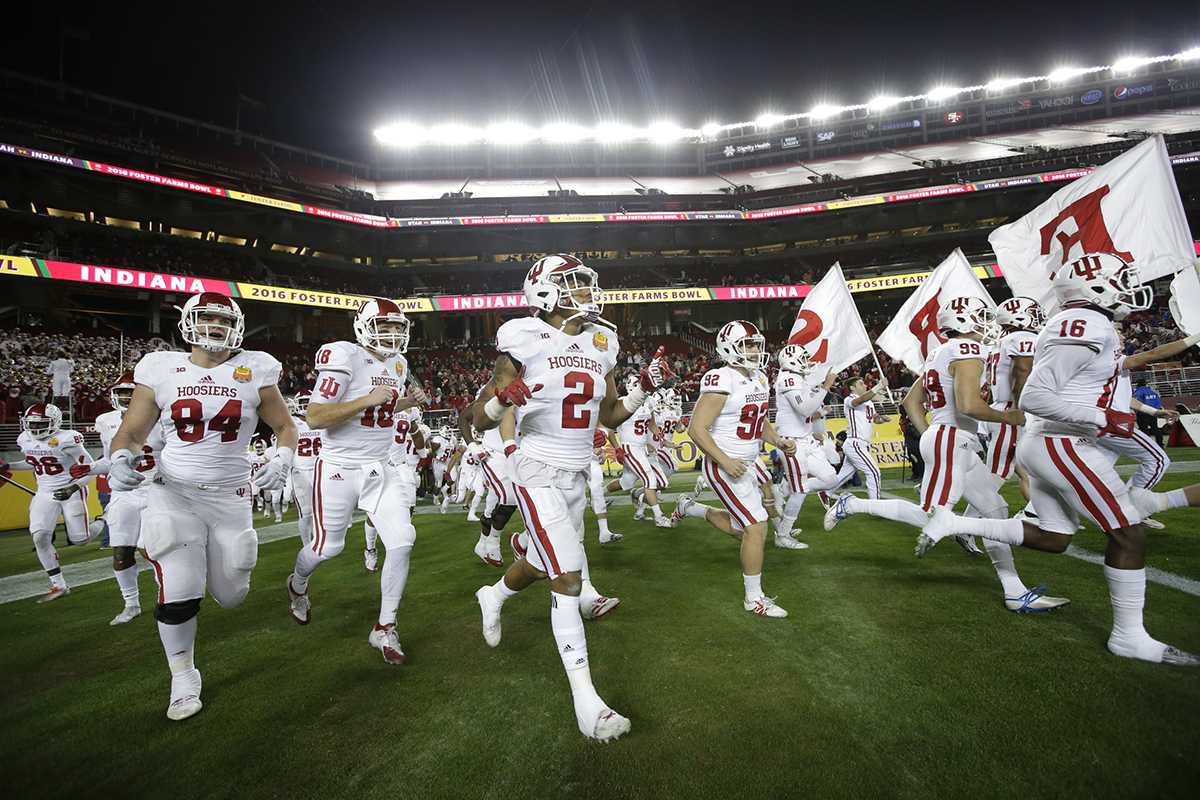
[1092, 97]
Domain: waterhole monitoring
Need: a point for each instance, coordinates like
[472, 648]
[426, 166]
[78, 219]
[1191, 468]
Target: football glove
[657, 373]
[598, 438]
[274, 474]
[475, 449]
[122, 472]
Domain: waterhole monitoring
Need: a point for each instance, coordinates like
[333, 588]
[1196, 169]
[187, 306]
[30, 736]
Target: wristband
[1191, 340]
[494, 409]
[119, 455]
[510, 447]
[285, 454]
[633, 401]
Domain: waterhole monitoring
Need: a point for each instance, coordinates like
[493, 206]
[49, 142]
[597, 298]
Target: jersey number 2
[587, 390]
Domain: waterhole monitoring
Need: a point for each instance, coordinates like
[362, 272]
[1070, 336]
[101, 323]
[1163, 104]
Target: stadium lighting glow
[821, 112]
[1066, 73]
[401, 135]
[564, 133]
[941, 93]
[767, 120]
[711, 129]
[510, 133]
[1189, 54]
[1000, 84]
[880, 103]
[455, 134]
[615, 132]
[665, 132]
[1130, 64]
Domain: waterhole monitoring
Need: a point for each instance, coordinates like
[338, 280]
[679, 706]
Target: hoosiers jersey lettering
[308, 446]
[737, 430]
[1095, 384]
[1018, 344]
[51, 458]
[860, 419]
[203, 410]
[348, 371]
[107, 425]
[403, 449]
[556, 424]
[939, 383]
[635, 431]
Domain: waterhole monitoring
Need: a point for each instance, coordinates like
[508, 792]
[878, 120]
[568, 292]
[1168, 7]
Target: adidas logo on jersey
[207, 379]
[574, 349]
[337, 476]
[374, 474]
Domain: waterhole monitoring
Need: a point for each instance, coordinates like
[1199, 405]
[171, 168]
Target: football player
[860, 426]
[308, 447]
[1008, 366]
[637, 436]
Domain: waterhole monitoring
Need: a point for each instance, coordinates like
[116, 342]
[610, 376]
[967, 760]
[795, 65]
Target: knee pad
[177, 613]
[408, 535]
[503, 514]
[42, 538]
[159, 536]
[243, 551]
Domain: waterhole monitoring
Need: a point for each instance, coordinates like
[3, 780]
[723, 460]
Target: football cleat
[371, 560]
[764, 606]
[613, 537]
[279, 518]
[1172, 655]
[1034, 600]
[598, 606]
[967, 543]
[185, 694]
[55, 593]
[300, 607]
[788, 543]
[640, 514]
[663, 522]
[444, 504]
[1148, 649]
[128, 614]
[473, 517]
[385, 640]
[609, 725]
[940, 525]
[1148, 502]
[514, 542]
[836, 512]
[491, 619]
[1152, 524]
[681, 507]
[484, 549]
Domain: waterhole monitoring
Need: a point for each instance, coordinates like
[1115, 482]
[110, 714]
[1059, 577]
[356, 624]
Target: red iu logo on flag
[1086, 219]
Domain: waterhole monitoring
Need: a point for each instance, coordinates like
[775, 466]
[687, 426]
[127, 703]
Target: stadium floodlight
[402, 135]
[767, 120]
[941, 93]
[455, 134]
[821, 112]
[1130, 64]
[615, 132]
[711, 129]
[562, 132]
[665, 132]
[880, 103]
[1066, 73]
[509, 133]
[1000, 84]
[1190, 54]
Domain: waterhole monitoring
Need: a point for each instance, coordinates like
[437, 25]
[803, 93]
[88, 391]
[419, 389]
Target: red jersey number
[752, 419]
[188, 417]
[572, 417]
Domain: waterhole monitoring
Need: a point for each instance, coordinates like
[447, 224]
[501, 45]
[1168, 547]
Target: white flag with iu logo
[913, 332]
[1129, 207]
[829, 326]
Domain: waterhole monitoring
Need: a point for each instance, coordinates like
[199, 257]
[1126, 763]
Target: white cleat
[1152, 524]
[609, 725]
[185, 694]
[1034, 600]
[681, 507]
[491, 618]
[764, 606]
[387, 642]
[1148, 502]
[967, 543]
[56, 593]
[788, 543]
[128, 614]
[300, 607]
[663, 522]
[473, 517]
[1149, 649]
[484, 549]
[613, 537]
[514, 542]
[279, 518]
[444, 504]
[836, 511]
[940, 525]
[596, 607]
[371, 561]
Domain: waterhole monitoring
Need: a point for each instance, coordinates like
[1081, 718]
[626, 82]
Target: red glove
[509, 450]
[599, 439]
[685, 421]
[1119, 423]
[619, 457]
[80, 471]
[516, 393]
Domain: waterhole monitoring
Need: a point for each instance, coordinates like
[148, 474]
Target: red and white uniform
[197, 528]
[1152, 460]
[124, 510]
[737, 430]
[636, 440]
[304, 464]
[950, 445]
[795, 403]
[352, 469]
[1076, 367]
[442, 450]
[860, 427]
[549, 470]
[667, 419]
[403, 450]
[50, 459]
[495, 469]
[1002, 450]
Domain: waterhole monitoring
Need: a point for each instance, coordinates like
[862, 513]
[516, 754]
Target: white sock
[179, 642]
[306, 526]
[1008, 531]
[1177, 498]
[392, 580]
[1127, 588]
[657, 512]
[372, 535]
[604, 531]
[306, 564]
[698, 510]
[58, 581]
[501, 592]
[897, 510]
[753, 585]
[1006, 568]
[567, 625]
[127, 580]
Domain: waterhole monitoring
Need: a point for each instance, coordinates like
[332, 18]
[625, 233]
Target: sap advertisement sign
[1092, 97]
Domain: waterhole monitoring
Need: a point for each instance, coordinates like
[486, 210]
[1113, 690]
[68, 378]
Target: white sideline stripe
[1157, 575]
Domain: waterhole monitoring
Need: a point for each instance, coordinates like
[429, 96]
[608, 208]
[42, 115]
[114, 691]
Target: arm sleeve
[1043, 393]
[805, 408]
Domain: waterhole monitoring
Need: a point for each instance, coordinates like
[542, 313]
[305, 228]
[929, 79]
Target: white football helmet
[1020, 313]
[732, 341]
[370, 316]
[260, 447]
[446, 432]
[301, 401]
[968, 315]
[794, 358]
[42, 421]
[551, 280]
[201, 335]
[121, 392]
[1104, 280]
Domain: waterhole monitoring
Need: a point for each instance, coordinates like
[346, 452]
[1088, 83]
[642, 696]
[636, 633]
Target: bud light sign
[1092, 97]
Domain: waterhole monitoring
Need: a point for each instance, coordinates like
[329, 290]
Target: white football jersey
[556, 424]
[666, 419]
[999, 363]
[207, 416]
[257, 462]
[787, 421]
[442, 448]
[403, 449]
[939, 383]
[860, 419]
[107, 425]
[52, 458]
[635, 431]
[348, 372]
[1096, 383]
[737, 430]
[1123, 395]
[308, 446]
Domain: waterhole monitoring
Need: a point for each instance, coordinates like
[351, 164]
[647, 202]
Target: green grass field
[892, 677]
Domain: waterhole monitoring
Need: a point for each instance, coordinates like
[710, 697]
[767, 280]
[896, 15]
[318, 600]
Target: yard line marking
[1157, 575]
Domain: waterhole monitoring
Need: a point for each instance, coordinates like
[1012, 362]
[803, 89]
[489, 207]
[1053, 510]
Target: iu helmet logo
[959, 303]
[1087, 268]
